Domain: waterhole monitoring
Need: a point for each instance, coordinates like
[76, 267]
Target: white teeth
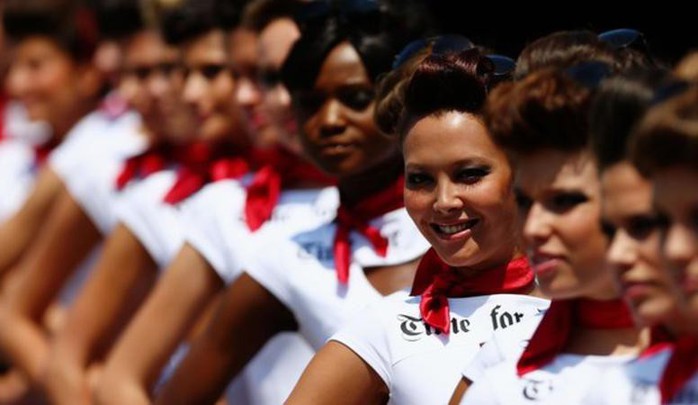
[451, 229]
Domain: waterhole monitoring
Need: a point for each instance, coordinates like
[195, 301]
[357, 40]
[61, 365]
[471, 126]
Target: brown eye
[357, 99]
[211, 71]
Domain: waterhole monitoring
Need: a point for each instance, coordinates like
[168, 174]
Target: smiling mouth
[448, 230]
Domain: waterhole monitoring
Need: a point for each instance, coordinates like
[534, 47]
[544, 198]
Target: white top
[300, 271]
[503, 347]
[18, 170]
[419, 365]
[565, 380]
[215, 224]
[154, 222]
[89, 162]
[637, 383]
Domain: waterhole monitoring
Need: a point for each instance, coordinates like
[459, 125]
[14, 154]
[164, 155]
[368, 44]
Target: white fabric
[637, 383]
[215, 224]
[156, 224]
[502, 347]
[300, 271]
[419, 365]
[215, 227]
[566, 380]
[89, 162]
[18, 171]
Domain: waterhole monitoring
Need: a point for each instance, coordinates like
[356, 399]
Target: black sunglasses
[589, 74]
[623, 38]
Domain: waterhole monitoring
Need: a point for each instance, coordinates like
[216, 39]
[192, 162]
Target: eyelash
[566, 200]
[468, 176]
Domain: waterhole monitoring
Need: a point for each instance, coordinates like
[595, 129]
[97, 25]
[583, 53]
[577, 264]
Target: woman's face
[633, 225]
[208, 86]
[338, 131]
[559, 198]
[273, 116]
[152, 84]
[458, 190]
[48, 82]
[676, 198]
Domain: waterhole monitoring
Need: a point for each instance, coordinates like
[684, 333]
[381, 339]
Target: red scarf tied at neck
[435, 281]
[555, 329]
[682, 366]
[280, 169]
[357, 218]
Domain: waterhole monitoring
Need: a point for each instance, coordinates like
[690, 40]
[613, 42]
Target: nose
[680, 246]
[331, 120]
[537, 223]
[447, 198]
[247, 93]
[195, 90]
[158, 85]
[622, 253]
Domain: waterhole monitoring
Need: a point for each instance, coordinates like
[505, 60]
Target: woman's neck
[354, 188]
[607, 342]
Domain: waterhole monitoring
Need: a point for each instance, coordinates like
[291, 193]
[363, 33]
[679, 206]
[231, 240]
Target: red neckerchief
[555, 328]
[435, 281]
[357, 217]
[682, 366]
[281, 169]
[660, 338]
[202, 163]
[142, 165]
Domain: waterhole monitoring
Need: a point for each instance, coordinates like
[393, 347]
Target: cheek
[416, 204]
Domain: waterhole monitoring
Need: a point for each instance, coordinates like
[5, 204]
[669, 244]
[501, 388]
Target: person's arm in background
[121, 280]
[179, 298]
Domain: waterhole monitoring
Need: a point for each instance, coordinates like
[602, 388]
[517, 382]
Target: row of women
[206, 201]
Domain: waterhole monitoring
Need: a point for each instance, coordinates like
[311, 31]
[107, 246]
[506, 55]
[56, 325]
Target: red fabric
[436, 281]
[281, 169]
[357, 218]
[143, 165]
[202, 163]
[660, 338]
[682, 366]
[555, 329]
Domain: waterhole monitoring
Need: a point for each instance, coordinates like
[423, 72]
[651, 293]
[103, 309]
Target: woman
[664, 148]
[542, 122]
[473, 282]
[314, 279]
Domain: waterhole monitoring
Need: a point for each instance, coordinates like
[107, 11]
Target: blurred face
[48, 82]
[676, 197]
[247, 94]
[152, 84]
[274, 114]
[208, 87]
[559, 199]
[338, 132]
[633, 254]
[458, 190]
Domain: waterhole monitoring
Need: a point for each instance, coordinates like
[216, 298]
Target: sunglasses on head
[444, 44]
[589, 74]
[623, 38]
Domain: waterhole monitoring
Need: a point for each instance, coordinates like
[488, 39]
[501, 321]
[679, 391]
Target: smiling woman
[458, 191]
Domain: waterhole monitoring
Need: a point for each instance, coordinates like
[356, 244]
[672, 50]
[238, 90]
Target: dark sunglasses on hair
[670, 89]
[439, 45]
[623, 38]
[589, 74]
[143, 72]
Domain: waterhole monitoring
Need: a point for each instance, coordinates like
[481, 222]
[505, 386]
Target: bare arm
[19, 231]
[67, 236]
[337, 375]
[247, 317]
[160, 325]
[121, 279]
[460, 391]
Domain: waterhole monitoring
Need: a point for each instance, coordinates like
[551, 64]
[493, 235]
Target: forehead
[625, 191]
[209, 46]
[341, 67]
[243, 47]
[147, 46]
[448, 136]
[275, 41]
[676, 188]
[549, 169]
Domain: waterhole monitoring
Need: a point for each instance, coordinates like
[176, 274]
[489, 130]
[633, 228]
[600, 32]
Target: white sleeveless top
[566, 380]
[300, 271]
[419, 365]
[637, 383]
